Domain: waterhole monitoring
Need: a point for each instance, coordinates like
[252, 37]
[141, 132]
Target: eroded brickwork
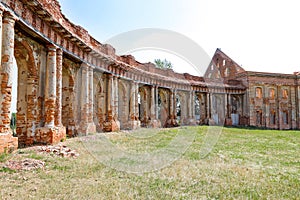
[69, 84]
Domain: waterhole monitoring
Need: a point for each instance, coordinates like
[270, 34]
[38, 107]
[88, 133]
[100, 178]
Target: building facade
[69, 84]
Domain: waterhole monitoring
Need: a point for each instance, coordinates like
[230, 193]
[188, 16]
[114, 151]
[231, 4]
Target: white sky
[259, 35]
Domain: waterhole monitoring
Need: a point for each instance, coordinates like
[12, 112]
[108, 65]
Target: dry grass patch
[244, 164]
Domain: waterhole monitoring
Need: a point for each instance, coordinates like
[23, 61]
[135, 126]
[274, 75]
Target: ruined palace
[70, 84]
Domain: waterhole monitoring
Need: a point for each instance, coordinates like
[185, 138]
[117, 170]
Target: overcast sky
[260, 35]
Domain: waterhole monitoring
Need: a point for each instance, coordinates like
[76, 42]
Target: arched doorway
[29, 106]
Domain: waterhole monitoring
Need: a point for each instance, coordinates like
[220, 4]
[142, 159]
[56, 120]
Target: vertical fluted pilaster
[152, 107]
[116, 99]
[91, 94]
[7, 54]
[59, 60]
[50, 88]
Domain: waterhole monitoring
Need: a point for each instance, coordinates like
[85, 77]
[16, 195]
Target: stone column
[92, 126]
[133, 107]
[50, 88]
[6, 70]
[132, 101]
[229, 107]
[112, 123]
[116, 100]
[58, 118]
[171, 104]
[226, 107]
[191, 116]
[208, 105]
[211, 108]
[154, 123]
[110, 96]
[171, 121]
[91, 94]
[84, 100]
[7, 142]
[175, 106]
[156, 102]
[193, 105]
[152, 100]
[136, 101]
[51, 132]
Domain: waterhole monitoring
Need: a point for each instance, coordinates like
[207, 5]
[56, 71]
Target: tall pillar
[154, 123]
[192, 120]
[6, 70]
[209, 108]
[193, 105]
[132, 101]
[133, 122]
[226, 106]
[229, 107]
[171, 121]
[92, 126]
[84, 123]
[109, 96]
[59, 60]
[137, 101]
[112, 123]
[171, 105]
[50, 89]
[8, 143]
[152, 100]
[116, 100]
[156, 102]
[175, 105]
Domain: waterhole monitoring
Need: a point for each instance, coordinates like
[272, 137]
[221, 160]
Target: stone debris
[26, 164]
[59, 150]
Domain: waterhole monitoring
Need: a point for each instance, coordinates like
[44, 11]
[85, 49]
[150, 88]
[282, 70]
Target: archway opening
[197, 108]
[178, 110]
[25, 99]
[14, 97]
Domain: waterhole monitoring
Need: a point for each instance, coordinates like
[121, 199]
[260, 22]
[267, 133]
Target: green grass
[244, 164]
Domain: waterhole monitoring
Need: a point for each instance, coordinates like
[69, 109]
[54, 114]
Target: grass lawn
[163, 164]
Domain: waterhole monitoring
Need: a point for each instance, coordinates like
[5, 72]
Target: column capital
[59, 51]
[51, 47]
[91, 67]
[110, 75]
[85, 66]
[8, 17]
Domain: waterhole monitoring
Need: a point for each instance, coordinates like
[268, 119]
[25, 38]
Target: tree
[163, 64]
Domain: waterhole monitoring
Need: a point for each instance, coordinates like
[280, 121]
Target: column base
[86, 128]
[133, 124]
[228, 122]
[8, 143]
[171, 123]
[111, 126]
[71, 131]
[154, 124]
[192, 122]
[212, 122]
[50, 135]
[92, 128]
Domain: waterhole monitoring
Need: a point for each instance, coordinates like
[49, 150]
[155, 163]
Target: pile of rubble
[26, 164]
[59, 150]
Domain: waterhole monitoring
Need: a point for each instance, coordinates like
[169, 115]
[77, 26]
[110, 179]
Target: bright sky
[260, 35]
